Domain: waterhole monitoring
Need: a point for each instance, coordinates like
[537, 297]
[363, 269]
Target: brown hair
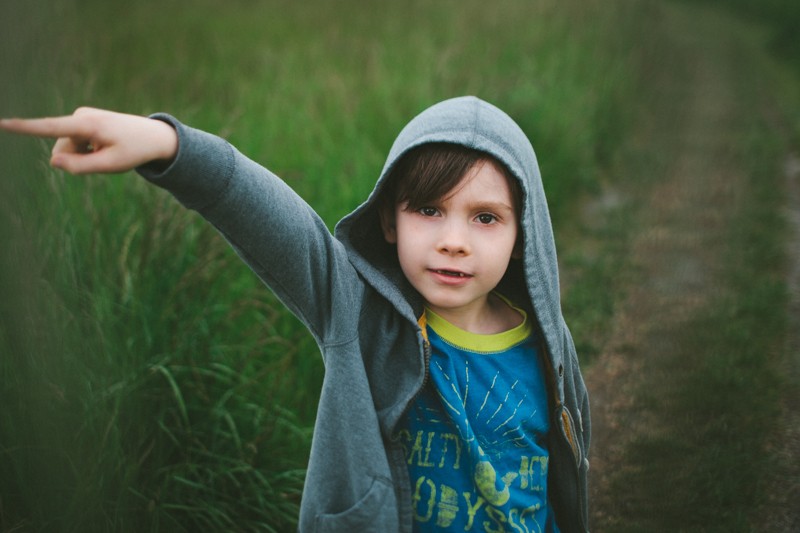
[426, 173]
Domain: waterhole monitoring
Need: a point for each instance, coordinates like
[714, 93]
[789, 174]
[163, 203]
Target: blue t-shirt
[475, 438]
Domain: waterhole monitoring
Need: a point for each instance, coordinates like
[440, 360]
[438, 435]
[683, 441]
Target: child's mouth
[451, 273]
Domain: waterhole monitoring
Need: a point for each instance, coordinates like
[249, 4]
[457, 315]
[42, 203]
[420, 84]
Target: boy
[452, 398]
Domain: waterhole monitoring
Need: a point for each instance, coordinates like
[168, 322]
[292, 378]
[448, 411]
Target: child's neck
[495, 316]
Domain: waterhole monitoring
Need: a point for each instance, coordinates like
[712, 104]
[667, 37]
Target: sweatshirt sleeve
[278, 235]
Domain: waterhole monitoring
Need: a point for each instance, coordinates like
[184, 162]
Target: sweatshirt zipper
[426, 357]
[426, 362]
[564, 418]
[426, 353]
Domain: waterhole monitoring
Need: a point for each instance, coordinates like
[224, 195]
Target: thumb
[69, 162]
[83, 163]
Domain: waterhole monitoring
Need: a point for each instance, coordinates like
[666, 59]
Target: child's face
[456, 250]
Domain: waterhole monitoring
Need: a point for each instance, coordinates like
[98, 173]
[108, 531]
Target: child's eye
[486, 218]
[428, 211]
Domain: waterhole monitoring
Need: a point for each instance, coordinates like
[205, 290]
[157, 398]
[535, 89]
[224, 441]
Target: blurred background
[149, 382]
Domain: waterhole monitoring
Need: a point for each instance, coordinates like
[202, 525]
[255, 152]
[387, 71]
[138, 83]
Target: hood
[532, 281]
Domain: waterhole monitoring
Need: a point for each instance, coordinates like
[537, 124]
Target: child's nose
[454, 239]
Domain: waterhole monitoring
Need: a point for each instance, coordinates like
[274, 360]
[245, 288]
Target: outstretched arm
[97, 141]
[276, 233]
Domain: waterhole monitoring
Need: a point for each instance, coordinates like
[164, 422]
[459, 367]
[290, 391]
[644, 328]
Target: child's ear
[516, 253]
[387, 224]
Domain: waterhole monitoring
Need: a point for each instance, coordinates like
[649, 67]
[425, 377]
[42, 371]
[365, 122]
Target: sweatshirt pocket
[373, 512]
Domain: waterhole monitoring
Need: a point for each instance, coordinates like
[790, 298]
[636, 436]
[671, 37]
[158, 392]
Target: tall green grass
[147, 380]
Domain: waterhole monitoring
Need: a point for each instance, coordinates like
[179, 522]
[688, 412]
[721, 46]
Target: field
[149, 382]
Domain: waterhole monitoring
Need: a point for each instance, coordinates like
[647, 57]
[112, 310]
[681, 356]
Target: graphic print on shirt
[475, 437]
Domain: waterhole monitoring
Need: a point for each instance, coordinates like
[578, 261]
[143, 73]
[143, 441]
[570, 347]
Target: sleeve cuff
[201, 170]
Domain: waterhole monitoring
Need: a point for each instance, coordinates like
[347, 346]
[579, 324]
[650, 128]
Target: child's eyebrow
[487, 205]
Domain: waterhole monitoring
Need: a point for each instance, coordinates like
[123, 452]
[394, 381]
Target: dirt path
[677, 253]
[780, 512]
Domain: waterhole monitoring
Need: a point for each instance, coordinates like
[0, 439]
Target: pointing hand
[97, 141]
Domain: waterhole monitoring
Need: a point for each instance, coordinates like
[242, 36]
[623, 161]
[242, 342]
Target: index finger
[67, 126]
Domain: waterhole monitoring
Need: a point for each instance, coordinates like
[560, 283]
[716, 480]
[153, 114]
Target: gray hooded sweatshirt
[349, 291]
